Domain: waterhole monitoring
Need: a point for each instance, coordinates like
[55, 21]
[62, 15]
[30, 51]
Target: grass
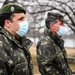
[35, 65]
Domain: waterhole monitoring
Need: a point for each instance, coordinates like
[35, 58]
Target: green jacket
[15, 58]
[51, 56]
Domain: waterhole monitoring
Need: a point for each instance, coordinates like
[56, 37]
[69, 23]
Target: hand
[54, 28]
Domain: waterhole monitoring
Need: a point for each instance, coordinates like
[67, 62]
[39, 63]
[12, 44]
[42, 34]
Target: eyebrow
[21, 18]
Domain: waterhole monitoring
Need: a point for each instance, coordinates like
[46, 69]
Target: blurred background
[37, 12]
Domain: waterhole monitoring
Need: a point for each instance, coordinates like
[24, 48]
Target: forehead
[57, 20]
[18, 15]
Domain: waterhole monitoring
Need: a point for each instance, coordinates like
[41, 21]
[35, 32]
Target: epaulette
[28, 43]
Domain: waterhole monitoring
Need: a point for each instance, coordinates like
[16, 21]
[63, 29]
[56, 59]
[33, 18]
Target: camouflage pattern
[53, 15]
[15, 58]
[51, 56]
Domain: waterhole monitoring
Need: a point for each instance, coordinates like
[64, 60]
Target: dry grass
[70, 52]
[33, 53]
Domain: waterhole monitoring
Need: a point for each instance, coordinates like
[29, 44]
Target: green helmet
[12, 8]
[55, 16]
[52, 17]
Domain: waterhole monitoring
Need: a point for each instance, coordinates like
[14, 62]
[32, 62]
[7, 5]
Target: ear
[7, 23]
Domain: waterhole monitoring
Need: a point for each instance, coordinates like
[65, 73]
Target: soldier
[15, 58]
[51, 54]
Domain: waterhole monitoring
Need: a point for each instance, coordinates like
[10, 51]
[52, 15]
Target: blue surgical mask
[61, 31]
[23, 28]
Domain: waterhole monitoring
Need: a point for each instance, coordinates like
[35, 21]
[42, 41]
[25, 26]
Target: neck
[12, 32]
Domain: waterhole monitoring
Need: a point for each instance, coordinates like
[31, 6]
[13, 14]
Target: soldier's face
[16, 18]
[12, 25]
[59, 23]
[55, 27]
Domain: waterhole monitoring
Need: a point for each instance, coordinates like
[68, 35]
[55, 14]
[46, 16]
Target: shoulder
[44, 41]
[3, 38]
[28, 43]
[2, 35]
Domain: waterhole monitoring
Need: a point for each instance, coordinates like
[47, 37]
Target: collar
[21, 41]
[58, 40]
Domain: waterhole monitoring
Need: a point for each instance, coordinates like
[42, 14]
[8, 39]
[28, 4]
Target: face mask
[61, 31]
[23, 28]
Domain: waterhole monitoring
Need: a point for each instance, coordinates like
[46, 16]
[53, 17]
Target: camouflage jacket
[15, 58]
[51, 56]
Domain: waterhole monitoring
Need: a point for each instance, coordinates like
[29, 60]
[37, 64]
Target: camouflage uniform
[15, 58]
[51, 56]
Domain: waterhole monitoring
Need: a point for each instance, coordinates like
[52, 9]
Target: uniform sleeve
[63, 66]
[45, 57]
[3, 67]
[3, 70]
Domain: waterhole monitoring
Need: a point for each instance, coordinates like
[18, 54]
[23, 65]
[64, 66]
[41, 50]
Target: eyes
[21, 19]
[58, 22]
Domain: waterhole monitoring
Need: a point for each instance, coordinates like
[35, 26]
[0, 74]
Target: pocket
[21, 69]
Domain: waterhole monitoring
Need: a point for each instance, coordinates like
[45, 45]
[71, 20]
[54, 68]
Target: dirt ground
[70, 52]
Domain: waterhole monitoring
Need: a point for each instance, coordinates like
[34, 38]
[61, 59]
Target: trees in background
[37, 11]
